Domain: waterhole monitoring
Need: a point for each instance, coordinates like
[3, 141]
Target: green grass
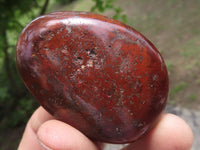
[79, 5]
[191, 48]
[178, 88]
[197, 81]
[193, 97]
[188, 67]
[170, 66]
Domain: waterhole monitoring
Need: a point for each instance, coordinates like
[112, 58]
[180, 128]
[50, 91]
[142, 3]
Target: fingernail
[44, 146]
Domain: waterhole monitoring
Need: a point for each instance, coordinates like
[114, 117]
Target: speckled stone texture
[94, 73]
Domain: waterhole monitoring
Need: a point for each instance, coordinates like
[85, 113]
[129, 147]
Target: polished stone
[95, 73]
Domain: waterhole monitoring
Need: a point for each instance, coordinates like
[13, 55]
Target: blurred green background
[173, 26]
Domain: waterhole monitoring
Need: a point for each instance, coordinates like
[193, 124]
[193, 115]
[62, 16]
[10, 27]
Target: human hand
[43, 132]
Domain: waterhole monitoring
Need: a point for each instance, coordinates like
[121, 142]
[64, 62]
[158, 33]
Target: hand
[43, 132]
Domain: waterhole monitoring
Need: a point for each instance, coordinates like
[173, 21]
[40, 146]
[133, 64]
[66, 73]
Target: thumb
[54, 134]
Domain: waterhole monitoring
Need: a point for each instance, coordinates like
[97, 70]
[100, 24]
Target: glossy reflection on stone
[95, 73]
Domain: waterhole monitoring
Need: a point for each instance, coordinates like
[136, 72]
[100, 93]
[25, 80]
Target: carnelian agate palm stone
[95, 73]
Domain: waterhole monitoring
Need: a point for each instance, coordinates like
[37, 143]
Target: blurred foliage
[104, 5]
[16, 103]
[64, 2]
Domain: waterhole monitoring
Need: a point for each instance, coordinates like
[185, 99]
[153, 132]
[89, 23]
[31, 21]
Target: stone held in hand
[97, 74]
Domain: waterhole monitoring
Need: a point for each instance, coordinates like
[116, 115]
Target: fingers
[171, 133]
[29, 140]
[60, 136]
[43, 132]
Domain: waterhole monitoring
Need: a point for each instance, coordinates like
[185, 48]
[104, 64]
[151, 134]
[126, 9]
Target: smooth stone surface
[192, 117]
[94, 73]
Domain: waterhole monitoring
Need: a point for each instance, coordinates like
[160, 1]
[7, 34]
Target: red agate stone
[95, 73]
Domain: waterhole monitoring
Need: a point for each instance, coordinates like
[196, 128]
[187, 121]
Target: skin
[43, 132]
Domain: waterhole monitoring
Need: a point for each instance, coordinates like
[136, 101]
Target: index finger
[44, 132]
[29, 139]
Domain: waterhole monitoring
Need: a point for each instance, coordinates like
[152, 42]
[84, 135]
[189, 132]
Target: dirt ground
[173, 26]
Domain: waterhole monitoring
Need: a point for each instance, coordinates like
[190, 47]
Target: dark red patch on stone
[95, 73]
